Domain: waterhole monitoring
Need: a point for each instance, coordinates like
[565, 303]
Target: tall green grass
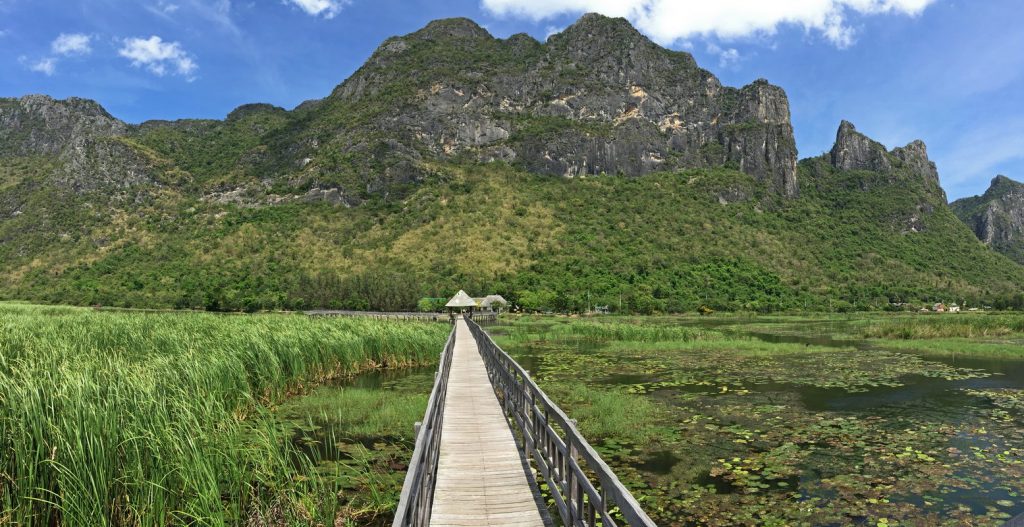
[633, 330]
[158, 419]
[966, 325]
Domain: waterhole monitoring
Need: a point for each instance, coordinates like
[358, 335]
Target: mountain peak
[1002, 187]
[997, 216]
[598, 23]
[856, 151]
[40, 124]
[914, 159]
[598, 32]
[246, 110]
[1001, 182]
[459, 28]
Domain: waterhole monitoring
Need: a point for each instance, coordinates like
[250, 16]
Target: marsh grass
[966, 325]
[361, 412]
[132, 418]
[611, 413]
[739, 346]
[620, 329]
[955, 346]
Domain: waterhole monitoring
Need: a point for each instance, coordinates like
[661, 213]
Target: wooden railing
[586, 492]
[418, 491]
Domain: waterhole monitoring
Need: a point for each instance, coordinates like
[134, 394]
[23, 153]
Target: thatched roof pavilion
[461, 300]
[492, 301]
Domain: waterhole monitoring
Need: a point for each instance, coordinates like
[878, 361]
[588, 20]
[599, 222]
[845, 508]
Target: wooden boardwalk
[469, 468]
[482, 476]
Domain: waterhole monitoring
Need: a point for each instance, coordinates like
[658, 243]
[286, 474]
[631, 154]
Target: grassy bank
[129, 418]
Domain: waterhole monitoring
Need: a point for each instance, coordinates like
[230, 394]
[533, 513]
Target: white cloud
[667, 21]
[72, 44]
[726, 57]
[215, 11]
[163, 9]
[47, 65]
[328, 8]
[158, 56]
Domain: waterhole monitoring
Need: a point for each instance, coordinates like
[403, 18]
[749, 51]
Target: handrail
[418, 490]
[580, 501]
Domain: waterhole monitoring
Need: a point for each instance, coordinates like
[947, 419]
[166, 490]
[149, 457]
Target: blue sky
[950, 72]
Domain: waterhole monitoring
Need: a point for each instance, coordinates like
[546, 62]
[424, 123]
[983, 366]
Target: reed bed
[965, 325]
[160, 418]
[528, 329]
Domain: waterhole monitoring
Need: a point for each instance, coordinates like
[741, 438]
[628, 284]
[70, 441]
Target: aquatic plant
[742, 427]
[968, 325]
[126, 418]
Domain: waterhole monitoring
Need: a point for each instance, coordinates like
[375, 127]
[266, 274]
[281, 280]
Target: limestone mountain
[997, 216]
[594, 166]
[597, 98]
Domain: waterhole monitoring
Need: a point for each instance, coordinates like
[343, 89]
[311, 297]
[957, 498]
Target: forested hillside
[594, 169]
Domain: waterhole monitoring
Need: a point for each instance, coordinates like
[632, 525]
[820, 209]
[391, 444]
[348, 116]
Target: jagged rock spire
[856, 151]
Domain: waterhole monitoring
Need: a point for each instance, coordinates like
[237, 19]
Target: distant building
[939, 308]
[460, 302]
[490, 303]
[494, 303]
[953, 308]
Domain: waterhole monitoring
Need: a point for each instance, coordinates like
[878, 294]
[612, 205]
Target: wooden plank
[482, 477]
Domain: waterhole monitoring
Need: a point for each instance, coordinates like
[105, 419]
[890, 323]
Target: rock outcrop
[88, 142]
[997, 216]
[856, 151]
[41, 125]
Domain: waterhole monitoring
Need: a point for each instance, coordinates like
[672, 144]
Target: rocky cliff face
[856, 151]
[597, 98]
[85, 140]
[38, 124]
[997, 216]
